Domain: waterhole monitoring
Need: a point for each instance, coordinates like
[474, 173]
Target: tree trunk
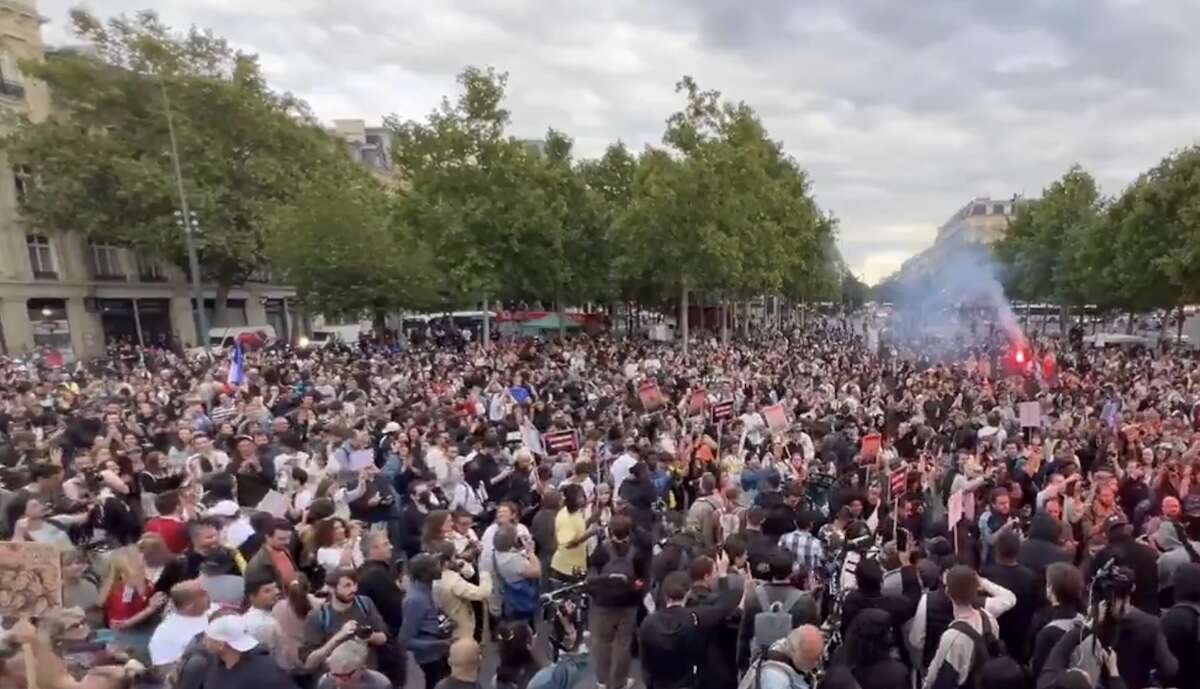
[803, 312]
[683, 318]
[379, 320]
[1179, 326]
[1064, 318]
[562, 315]
[724, 323]
[220, 305]
[1129, 324]
[487, 323]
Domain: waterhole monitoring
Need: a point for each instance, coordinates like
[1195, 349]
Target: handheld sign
[697, 401]
[722, 412]
[650, 396]
[361, 459]
[870, 444]
[562, 441]
[775, 417]
[898, 479]
[1031, 414]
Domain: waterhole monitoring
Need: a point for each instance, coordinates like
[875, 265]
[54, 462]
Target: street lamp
[186, 219]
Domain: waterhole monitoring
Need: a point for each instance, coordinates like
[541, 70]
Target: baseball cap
[1116, 521]
[231, 629]
[391, 427]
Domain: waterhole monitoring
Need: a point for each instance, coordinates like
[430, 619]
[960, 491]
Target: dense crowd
[817, 506]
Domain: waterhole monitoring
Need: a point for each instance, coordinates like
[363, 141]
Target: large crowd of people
[812, 506]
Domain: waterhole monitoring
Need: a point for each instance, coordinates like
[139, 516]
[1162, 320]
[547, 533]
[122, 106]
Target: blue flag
[237, 365]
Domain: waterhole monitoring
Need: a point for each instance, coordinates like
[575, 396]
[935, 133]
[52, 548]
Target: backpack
[753, 677]
[620, 565]
[1194, 607]
[987, 646]
[774, 621]
[325, 615]
[517, 601]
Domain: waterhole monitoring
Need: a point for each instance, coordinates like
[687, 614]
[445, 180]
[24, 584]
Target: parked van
[346, 334]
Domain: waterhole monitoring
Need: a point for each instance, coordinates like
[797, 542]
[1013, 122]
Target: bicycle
[565, 612]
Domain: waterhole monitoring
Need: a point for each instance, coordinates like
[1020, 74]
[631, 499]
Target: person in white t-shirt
[188, 618]
[622, 466]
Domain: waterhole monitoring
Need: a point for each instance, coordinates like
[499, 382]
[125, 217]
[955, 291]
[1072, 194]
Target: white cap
[391, 427]
[231, 629]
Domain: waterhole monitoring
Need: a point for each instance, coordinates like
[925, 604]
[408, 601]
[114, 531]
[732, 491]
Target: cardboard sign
[775, 417]
[361, 459]
[898, 480]
[650, 396]
[870, 444]
[697, 401]
[30, 578]
[1031, 414]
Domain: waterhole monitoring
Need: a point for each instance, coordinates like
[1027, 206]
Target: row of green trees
[1137, 252]
[471, 213]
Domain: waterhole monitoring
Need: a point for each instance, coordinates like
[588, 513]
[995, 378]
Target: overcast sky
[901, 110]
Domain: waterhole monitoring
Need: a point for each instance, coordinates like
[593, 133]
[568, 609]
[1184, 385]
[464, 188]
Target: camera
[364, 631]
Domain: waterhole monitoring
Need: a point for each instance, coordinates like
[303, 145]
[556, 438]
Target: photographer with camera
[1140, 558]
[1116, 642]
[346, 615]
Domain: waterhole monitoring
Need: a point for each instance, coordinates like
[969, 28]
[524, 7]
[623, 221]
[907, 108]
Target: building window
[106, 262]
[149, 269]
[41, 257]
[979, 209]
[11, 81]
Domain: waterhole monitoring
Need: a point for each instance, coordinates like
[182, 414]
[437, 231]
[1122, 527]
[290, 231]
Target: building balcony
[108, 277]
[45, 275]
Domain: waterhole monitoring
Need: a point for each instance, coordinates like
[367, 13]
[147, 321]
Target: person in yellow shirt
[571, 531]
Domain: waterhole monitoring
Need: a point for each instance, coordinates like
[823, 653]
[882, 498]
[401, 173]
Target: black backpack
[987, 646]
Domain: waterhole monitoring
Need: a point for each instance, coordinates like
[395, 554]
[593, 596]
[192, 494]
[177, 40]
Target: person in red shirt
[130, 603]
[169, 524]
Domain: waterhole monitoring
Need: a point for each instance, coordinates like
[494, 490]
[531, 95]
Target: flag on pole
[237, 365]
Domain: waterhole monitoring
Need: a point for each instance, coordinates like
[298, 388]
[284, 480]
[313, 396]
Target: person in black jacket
[1115, 624]
[869, 652]
[1041, 550]
[1138, 557]
[1064, 584]
[713, 587]
[674, 640]
[377, 580]
[775, 569]
[619, 568]
[869, 594]
[1018, 579]
[1181, 625]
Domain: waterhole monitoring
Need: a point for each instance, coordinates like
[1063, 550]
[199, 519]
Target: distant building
[75, 294]
[980, 223]
[371, 146]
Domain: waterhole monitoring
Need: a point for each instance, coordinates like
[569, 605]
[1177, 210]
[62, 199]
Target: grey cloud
[901, 111]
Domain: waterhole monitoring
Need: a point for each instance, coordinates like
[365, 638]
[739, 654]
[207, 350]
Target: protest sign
[776, 418]
[562, 441]
[1030, 414]
[870, 444]
[650, 396]
[274, 503]
[697, 401]
[722, 412]
[955, 508]
[30, 578]
[898, 480]
[361, 459]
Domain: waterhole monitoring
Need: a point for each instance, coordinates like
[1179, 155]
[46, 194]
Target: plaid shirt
[806, 549]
